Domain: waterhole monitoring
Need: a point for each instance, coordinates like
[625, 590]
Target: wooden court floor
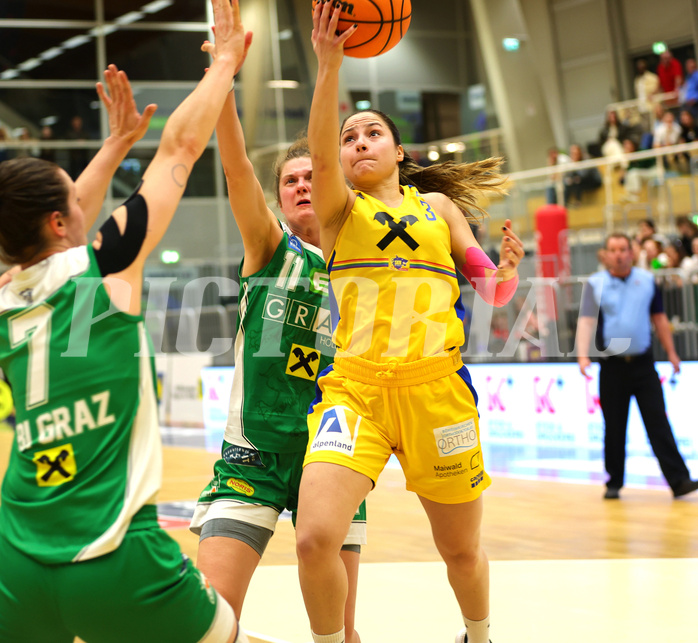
[566, 566]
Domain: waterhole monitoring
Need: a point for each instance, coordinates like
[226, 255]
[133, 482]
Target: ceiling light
[128, 18]
[157, 5]
[9, 73]
[169, 256]
[76, 41]
[285, 34]
[105, 30]
[32, 63]
[49, 54]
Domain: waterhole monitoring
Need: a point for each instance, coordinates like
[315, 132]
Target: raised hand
[231, 39]
[125, 122]
[327, 43]
[511, 251]
[210, 48]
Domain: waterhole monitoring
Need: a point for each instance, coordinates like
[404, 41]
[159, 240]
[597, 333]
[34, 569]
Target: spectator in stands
[667, 133]
[646, 85]
[639, 255]
[48, 154]
[635, 172]
[670, 73]
[4, 138]
[78, 157]
[647, 137]
[689, 89]
[688, 231]
[689, 129]
[692, 263]
[25, 136]
[611, 135]
[654, 251]
[677, 259]
[646, 229]
[579, 181]
[555, 157]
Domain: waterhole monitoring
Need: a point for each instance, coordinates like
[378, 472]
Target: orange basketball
[381, 25]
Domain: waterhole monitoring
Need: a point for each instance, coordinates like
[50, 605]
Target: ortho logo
[456, 438]
[339, 429]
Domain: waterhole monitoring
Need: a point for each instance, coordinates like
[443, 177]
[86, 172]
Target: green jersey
[87, 453]
[283, 340]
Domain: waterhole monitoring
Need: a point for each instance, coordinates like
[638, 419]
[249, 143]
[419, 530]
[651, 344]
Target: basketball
[381, 25]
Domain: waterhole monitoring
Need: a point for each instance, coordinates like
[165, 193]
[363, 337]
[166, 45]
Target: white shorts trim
[357, 534]
[260, 515]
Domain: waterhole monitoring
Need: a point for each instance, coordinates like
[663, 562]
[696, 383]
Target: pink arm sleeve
[493, 291]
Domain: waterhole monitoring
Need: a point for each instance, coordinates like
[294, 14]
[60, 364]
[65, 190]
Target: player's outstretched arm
[126, 126]
[190, 126]
[330, 195]
[258, 226]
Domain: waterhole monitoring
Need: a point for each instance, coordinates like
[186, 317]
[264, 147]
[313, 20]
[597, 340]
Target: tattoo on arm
[180, 174]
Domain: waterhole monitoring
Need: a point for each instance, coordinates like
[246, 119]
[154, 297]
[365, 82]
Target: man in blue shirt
[623, 303]
[690, 88]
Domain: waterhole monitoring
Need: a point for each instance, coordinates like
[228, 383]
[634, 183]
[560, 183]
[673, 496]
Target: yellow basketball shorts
[424, 412]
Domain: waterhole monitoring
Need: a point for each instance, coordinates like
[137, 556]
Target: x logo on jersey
[397, 230]
[304, 361]
[54, 466]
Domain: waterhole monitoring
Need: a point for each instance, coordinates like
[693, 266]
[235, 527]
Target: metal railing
[538, 324]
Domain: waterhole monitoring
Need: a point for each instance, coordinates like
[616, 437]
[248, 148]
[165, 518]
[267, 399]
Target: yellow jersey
[394, 292]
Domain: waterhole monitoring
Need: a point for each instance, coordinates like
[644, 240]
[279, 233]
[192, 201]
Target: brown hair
[299, 149]
[617, 235]
[30, 189]
[463, 183]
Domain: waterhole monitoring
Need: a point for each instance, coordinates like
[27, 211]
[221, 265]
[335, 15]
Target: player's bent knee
[309, 551]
